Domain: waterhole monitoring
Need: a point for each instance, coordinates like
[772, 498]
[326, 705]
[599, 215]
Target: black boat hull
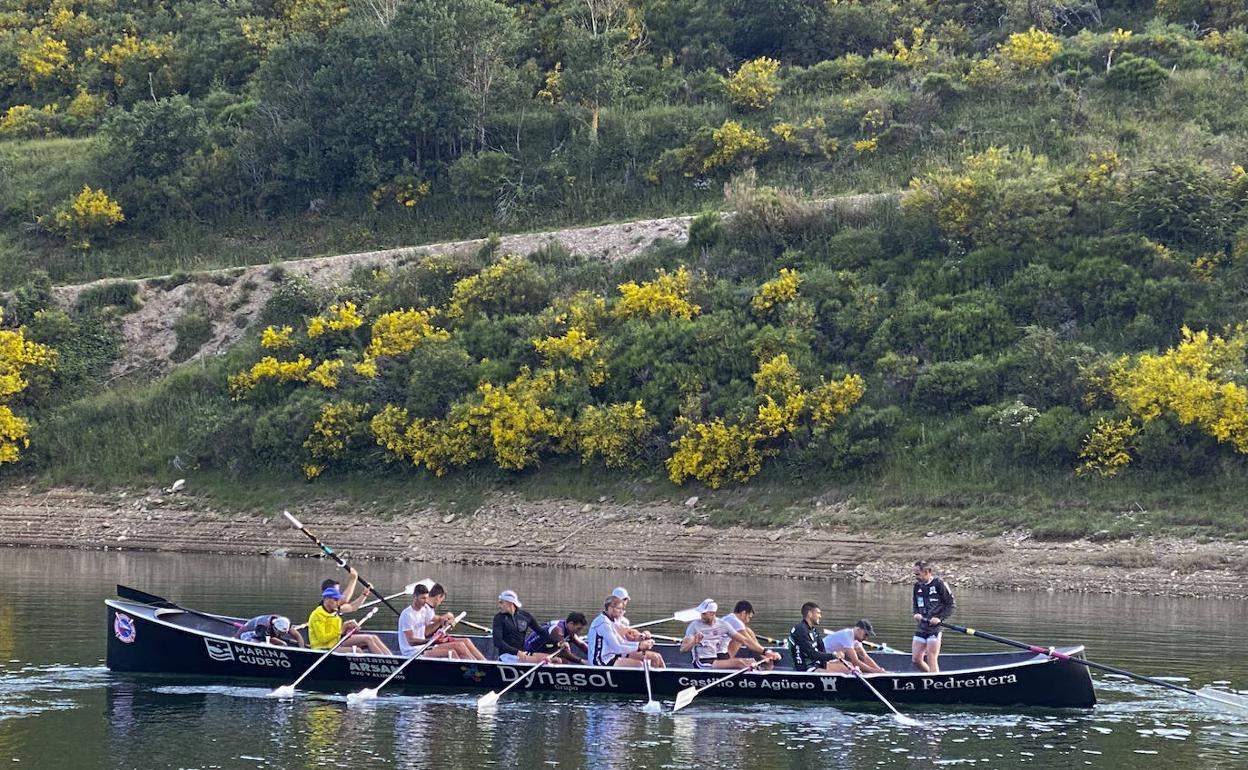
[145, 639]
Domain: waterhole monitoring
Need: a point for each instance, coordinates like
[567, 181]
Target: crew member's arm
[947, 604]
[914, 604]
[294, 637]
[565, 642]
[500, 643]
[690, 641]
[752, 645]
[580, 643]
[810, 651]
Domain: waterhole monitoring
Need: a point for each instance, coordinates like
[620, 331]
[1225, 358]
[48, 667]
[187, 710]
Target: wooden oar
[288, 690]
[684, 616]
[652, 706]
[1206, 693]
[470, 624]
[905, 720]
[491, 698]
[686, 696]
[330, 553]
[407, 590]
[368, 693]
[663, 638]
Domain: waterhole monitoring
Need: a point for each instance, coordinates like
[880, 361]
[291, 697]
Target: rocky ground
[510, 530]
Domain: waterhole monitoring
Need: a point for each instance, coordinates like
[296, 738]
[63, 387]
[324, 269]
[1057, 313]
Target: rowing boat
[150, 638]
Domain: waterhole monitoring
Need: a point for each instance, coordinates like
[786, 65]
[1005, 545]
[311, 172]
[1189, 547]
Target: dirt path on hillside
[507, 530]
[233, 300]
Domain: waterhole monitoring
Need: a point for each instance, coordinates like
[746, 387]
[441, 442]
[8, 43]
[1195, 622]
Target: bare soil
[507, 530]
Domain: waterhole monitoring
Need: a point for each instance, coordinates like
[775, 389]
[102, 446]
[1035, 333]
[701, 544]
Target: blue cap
[331, 593]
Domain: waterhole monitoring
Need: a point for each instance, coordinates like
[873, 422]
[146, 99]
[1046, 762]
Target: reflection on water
[60, 708]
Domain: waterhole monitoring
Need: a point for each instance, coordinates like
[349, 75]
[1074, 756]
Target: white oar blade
[285, 691]
[293, 521]
[487, 701]
[907, 721]
[687, 616]
[1223, 697]
[367, 694]
[684, 698]
[653, 707]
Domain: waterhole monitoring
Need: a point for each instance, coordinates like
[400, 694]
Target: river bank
[510, 530]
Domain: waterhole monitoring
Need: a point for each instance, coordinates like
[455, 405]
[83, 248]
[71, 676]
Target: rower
[273, 629]
[565, 630]
[932, 604]
[418, 623]
[805, 644]
[608, 645]
[709, 636]
[512, 626]
[848, 642]
[326, 627]
[466, 649]
[347, 605]
[739, 620]
[624, 624]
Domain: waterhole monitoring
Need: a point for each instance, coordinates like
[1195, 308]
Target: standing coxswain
[932, 604]
[708, 638]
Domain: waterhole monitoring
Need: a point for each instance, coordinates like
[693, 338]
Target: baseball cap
[708, 605]
[281, 624]
[865, 625]
[331, 593]
[510, 596]
[620, 593]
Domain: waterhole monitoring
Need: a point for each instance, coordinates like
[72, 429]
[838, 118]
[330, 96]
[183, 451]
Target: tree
[486, 42]
[599, 42]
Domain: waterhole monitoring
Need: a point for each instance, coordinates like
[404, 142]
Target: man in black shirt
[512, 625]
[932, 604]
[806, 643]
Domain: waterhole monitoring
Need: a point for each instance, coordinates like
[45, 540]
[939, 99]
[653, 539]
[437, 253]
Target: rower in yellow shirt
[326, 627]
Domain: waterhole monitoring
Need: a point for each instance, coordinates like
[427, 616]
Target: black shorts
[709, 662]
[925, 631]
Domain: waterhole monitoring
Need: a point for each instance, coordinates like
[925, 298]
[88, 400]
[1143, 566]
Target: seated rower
[739, 620]
[273, 629]
[326, 627]
[625, 625]
[348, 604]
[848, 642]
[608, 645]
[806, 647]
[418, 623]
[566, 630]
[709, 636]
[512, 626]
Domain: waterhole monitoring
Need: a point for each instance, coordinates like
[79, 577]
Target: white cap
[510, 596]
[620, 593]
[281, 624]
[708, 605]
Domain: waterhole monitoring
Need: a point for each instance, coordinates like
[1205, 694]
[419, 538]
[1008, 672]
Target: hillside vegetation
[1053, 312]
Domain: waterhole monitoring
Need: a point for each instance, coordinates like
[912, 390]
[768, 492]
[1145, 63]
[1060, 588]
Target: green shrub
[111, 294]
[193, 328]
[950, 386]
[293, 300]
[1138, 74]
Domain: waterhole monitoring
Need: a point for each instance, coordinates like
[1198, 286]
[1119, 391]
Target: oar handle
[470, 624]
[330, 553]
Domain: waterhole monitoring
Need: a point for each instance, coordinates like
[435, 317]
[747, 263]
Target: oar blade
[487, 701]
[367, 694]
[285, 691]
[293, 521]
[652, 707]
[1223, 697]
[902, 719]
[684, 698]
[686, 616]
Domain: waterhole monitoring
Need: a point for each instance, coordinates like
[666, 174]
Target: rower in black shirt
[806, 644]
[932, 604]
[513, 625]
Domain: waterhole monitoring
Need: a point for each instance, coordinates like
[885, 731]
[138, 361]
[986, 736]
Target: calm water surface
[60, 708]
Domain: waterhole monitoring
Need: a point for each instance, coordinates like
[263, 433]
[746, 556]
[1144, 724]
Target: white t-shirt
[606, 642]
[733, 622]
[414, 620]
[715, 637]
[839, 640]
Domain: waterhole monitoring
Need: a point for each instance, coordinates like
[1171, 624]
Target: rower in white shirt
[419, 622]
[708, 638]
[739, 620]
[608, 645]
[849, 642]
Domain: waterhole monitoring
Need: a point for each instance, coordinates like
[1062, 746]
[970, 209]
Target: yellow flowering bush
[807, 139]
[400, 331]
[274, 338]
[339, 428]
[777, 377]
[269, 369]
[716, 453]
[918, 51]
[617, 433]
[734, 145]
[574, 344]
[404, 190]
[1030, 50]
[667, 294]
[344, 317]
[495, 286]
[985, 73]
[21, 121]
[830, 400]
[778, 290]
[1107, 449]
[41, 56]
[17, 355]
[148, 53]
[755, 85]
[866, 146]
[88, 214]
[327, 373]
